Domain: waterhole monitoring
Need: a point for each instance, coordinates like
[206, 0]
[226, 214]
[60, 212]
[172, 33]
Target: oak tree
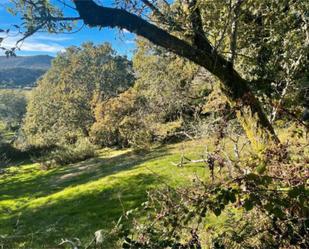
[216, 35]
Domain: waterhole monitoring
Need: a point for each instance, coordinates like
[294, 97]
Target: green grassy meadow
[40, 207]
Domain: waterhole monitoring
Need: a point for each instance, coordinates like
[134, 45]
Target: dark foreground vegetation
[199, 141]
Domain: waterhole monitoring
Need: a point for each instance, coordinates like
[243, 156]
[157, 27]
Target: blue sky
[51, 44]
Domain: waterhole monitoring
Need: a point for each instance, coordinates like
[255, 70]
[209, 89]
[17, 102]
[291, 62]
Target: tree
[189, 29]
[122, 121]
[168, 94]
[165, 80]
[60, 107]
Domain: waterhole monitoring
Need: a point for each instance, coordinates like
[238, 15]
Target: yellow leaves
[216, 101]
[260, 139]
[163, 130]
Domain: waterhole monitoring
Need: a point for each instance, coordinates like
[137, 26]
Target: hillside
[79, 199]
[22, 71]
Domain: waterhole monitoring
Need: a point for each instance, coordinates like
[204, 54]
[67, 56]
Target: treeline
[93, 97]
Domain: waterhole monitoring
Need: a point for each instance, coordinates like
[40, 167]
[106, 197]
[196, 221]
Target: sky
[50, 44]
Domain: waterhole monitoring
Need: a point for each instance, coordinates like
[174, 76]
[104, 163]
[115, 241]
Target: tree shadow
[79, 216]
[55, 180]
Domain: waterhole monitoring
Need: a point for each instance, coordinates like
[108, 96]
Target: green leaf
[248, 204]
[217, 211]
[297, 191]
[261, 168]
[232, 197]
[278, 212]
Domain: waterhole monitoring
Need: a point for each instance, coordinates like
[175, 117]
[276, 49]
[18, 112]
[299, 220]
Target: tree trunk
[249, 111]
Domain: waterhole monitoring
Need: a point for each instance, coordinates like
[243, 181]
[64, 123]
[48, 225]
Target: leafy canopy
[60, 107]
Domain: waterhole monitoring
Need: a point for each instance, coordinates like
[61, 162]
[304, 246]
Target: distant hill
[22, 71]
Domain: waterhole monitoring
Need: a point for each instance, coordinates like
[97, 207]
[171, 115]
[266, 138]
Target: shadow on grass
[38, 185]
[79, 216]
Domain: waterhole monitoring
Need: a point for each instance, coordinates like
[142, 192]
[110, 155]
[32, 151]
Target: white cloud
[50, 38]
[33, 45]
[129, 41]
[125, 31]
[41, 47]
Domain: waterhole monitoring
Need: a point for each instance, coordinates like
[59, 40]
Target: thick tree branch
[234, 86]
[94, 15]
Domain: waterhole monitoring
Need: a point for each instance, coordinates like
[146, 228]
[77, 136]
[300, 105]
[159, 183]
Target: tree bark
[249, 111]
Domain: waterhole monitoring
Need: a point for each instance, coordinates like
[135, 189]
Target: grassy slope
[38, 208]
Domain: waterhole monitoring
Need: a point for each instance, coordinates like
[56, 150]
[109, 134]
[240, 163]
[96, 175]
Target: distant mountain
[22, 71]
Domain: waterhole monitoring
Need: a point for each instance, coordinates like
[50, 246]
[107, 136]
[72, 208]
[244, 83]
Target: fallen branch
[188, 161]
[73, 244]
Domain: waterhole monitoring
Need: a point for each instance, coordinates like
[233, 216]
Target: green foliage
[12, 110]
[274, 52]
[168, 92]
[165, 80]
[123, 121]
[67, 154]
[270, 46]
[264, 209]
[60, 108]
[79, 199]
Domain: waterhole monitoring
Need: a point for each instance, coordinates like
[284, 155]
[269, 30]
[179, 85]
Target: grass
[40, 207]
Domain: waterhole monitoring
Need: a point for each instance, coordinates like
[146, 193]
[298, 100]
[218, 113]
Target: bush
[127, 121]
[121, 121]
[9, 153]
[12, 108]
[263, 201]
[68, 153]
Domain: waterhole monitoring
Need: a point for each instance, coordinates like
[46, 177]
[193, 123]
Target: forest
[198, 140]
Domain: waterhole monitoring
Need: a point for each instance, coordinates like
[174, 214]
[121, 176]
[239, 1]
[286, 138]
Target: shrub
[12, 108]
[9, 153]
[263, 202]
[68, 153]
[121, 121]
[127, 121]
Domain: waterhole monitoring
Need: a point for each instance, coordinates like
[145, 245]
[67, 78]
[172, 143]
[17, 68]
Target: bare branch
[233, 44]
